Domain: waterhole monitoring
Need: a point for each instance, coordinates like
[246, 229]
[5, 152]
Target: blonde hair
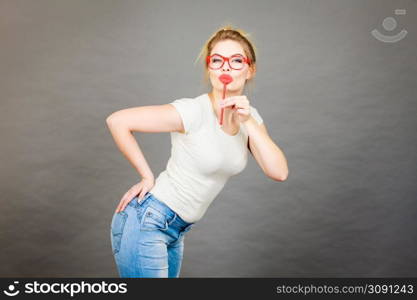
[228, 33]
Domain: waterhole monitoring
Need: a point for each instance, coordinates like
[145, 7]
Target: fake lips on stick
[225, 79]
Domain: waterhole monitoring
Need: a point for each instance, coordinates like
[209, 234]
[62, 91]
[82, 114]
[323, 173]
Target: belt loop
[172, 220]
[147, 195]
[189, 226]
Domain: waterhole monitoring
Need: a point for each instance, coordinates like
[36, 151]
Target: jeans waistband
[156, 203]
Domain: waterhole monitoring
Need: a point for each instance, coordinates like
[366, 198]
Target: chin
[236, 88]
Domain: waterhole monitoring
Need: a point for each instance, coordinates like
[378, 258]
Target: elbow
[284, 177]
[115, 122]
[111, 120]
[279, 177]
[112, 123]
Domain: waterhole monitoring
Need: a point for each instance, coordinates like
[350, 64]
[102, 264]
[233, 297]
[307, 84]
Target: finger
[142, 194]
[128, 200]
[237, 99]
[120, 203]
[240, 108]
[229, 98]
[228, 103]
[119, 206]
[242, 111]
[125, 203]
[241, 105]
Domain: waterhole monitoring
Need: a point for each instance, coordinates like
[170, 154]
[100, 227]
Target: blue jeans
[147, 239]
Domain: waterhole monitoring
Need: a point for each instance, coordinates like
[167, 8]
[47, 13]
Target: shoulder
[189, 103]
[191, 111]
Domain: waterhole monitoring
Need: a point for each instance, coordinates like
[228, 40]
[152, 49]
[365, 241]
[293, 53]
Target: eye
[238, 60]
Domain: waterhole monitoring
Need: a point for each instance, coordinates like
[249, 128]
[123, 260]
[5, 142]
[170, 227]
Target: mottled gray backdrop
[340, 103]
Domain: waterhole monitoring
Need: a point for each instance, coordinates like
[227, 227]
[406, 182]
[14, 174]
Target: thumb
[142, 194]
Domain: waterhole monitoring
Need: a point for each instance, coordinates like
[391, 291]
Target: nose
[226, 66]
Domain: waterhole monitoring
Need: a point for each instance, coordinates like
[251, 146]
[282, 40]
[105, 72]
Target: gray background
[339, 103]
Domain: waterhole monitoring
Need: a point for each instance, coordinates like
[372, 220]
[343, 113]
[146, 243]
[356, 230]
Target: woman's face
[228, 48]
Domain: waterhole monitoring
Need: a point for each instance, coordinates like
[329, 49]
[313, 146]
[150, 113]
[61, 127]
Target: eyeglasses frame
[245, 59]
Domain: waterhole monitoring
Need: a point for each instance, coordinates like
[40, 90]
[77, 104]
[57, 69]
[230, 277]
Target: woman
[148, 227]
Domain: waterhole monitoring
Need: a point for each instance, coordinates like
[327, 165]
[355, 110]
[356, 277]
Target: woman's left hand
[239, 105]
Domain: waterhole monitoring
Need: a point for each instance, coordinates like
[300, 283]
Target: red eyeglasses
[236, 62]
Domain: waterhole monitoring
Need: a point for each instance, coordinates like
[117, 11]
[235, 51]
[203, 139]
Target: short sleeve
[190, 113]
[255, 115]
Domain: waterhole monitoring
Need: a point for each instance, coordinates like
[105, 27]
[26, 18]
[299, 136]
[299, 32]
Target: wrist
[148, 177]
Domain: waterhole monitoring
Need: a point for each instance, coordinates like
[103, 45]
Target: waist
[151, 199]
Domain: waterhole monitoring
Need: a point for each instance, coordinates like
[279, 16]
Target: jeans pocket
[117, 227]
[153, 219]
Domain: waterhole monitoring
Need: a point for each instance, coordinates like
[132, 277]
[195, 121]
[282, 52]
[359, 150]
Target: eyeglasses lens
[236, 63]
[217, 62]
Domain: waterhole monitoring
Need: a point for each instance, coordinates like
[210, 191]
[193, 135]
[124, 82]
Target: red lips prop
[225, 79]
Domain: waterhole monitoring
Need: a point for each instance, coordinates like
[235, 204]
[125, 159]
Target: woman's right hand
[140, 188]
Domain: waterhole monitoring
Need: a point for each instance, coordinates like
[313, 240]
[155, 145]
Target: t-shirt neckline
[213, 113]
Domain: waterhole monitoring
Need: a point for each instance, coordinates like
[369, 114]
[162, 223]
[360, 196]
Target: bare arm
[268, 155]
[154, 118]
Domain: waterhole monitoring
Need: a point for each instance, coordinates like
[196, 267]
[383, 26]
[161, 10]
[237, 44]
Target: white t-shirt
[202, 159]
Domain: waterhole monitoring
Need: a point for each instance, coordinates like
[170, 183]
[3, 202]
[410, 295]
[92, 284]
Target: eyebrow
[230, 55]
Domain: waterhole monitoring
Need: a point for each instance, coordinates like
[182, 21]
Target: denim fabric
[147, 239]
